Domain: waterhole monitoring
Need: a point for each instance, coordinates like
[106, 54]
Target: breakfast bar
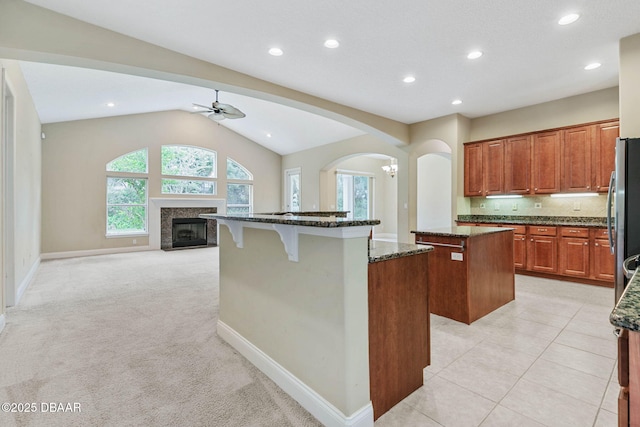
[295, 300]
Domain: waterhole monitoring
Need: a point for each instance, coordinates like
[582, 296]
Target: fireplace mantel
[156, 203]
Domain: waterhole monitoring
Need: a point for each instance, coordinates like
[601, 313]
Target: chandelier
[392, 168]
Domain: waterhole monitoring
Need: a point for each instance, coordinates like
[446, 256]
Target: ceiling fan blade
[202, 106]
[235, 114]
[216, 116]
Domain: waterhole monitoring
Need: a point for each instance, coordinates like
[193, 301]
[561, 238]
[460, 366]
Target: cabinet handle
[527, 189]
[532, 240]
[597, 186]
[597, 244]
[588, 187]
[535, 189]
[585, 243]
[523, 239]
[542, 229]
[573, 231]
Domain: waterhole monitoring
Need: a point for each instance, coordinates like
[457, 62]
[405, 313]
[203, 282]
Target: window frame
[213, 179]
[235, 181]
[127, 175]
[370, 191]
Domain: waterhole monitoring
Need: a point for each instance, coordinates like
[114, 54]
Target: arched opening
[358, 183]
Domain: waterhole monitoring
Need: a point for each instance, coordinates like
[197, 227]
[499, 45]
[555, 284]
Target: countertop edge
[626, 313]
[591, 222]
[302, 220]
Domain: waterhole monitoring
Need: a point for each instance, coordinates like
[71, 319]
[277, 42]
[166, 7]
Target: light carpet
[132, 339]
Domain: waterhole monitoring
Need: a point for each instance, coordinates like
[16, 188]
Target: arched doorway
[434, 191]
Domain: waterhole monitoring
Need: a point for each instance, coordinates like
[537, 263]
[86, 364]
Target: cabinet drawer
[542, 231]
[575, 232]
[518, 229]
[601, 233]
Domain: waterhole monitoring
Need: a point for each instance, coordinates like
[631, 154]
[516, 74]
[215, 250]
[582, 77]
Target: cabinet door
[604, 154]
[473, 170]
[545, 169]
[576, 159]
[542, 254]
[517, 159]
[574, 257]
[520, 251]
[603, 262]
[493, 167]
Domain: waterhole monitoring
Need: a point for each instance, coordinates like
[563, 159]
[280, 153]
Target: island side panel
[309, 316]
[491, 272]
[398, 329]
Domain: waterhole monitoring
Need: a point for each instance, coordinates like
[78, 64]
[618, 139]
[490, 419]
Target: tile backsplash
[541, 206]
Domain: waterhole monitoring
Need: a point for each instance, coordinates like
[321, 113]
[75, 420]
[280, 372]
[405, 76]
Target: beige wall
[74, 177]
[630, 86]
[26, 182]
[549, 206]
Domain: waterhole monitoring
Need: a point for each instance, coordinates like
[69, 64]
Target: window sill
[126, 235]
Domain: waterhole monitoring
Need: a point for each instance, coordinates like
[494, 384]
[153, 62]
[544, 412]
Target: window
[127, 194]
[239, 188]
[354, 195]
[184, 161]
[292, 189]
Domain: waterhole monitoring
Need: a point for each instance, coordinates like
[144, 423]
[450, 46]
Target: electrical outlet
[537, 205]
[135, 242]
[482, 206]
[576, 206]
[496, 206]
[514, 207]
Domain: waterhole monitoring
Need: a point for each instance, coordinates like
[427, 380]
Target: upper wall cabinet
[484, 168]
[545, 167]
[517, 160]
[573, 159]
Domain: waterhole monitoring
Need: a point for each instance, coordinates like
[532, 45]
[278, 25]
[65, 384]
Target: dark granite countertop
[626, 313]
[461, 231]
[303, 220]
[570, 221]
[341, 214]
[383, 251]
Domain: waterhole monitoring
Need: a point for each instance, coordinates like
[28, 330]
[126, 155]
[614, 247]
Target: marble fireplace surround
[180, 208]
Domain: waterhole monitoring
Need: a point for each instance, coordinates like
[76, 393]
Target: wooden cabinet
[473, 175]
[604, 154]
[517, 161]
[542, 249]
[572, 159]
[576, 159]
[520, 251]
[573, 251]
[545, 167]
[484, 168]
[602, 260]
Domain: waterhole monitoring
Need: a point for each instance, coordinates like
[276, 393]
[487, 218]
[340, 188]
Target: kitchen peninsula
[295, 301]
[471, 270]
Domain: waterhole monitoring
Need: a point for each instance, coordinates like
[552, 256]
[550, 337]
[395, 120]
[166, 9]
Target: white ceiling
[528, 58]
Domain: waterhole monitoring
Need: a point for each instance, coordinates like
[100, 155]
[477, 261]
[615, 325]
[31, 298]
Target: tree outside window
[127, 196]
[239, 188]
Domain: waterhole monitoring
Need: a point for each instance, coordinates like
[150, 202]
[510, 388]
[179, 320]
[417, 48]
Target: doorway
[292, 190]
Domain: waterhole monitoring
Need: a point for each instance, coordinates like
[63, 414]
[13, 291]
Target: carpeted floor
[132, 339]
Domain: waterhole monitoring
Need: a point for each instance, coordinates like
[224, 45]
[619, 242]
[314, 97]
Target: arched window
[180, 162]
[127, 195]
[239, 188]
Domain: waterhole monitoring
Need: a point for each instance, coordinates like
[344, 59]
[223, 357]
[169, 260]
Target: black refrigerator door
[632, 196]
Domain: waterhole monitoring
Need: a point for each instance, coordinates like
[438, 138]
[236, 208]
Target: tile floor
[546, 359]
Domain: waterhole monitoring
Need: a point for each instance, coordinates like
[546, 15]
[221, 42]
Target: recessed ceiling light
[331, 43]
[474, 55]
[593, 66]
[569, 19]
[456, 102]
[275, 51]
[268, 135]
[111, 104]
[409, 79]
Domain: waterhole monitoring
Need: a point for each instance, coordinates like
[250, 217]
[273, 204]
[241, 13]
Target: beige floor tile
[606, 419]
[449, 404]
[580, 360]
[403, 415]
[610, 401]
[504, 417]
[523, 343]
[544, 318]
[601, 346]
[499, 358]
[481, 379]
[586, 387]
[548, 406]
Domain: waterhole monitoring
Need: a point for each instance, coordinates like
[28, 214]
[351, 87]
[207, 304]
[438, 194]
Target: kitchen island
[471, 270]
[294, 300]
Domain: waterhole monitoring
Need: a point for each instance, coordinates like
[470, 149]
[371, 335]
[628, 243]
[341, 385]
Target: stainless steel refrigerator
[623, 210]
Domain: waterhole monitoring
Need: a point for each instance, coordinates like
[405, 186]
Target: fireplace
[182, 228]
[187, 232]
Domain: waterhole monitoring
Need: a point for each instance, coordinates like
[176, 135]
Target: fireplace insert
[188, 232]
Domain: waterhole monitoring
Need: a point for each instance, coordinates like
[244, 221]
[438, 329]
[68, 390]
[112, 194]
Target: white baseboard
[2, 322]
[27, 280]
[318, 406]
[92, 252]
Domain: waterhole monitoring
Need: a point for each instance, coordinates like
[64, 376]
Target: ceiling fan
[219, 111]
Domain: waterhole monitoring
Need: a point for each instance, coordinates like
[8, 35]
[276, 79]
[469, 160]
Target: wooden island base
[471, 271]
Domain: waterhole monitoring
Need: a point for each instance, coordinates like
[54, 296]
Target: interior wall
[434, 191]
[630, 86]
[74, 175]
[26, 182]
[589, 107]
[385, 190]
